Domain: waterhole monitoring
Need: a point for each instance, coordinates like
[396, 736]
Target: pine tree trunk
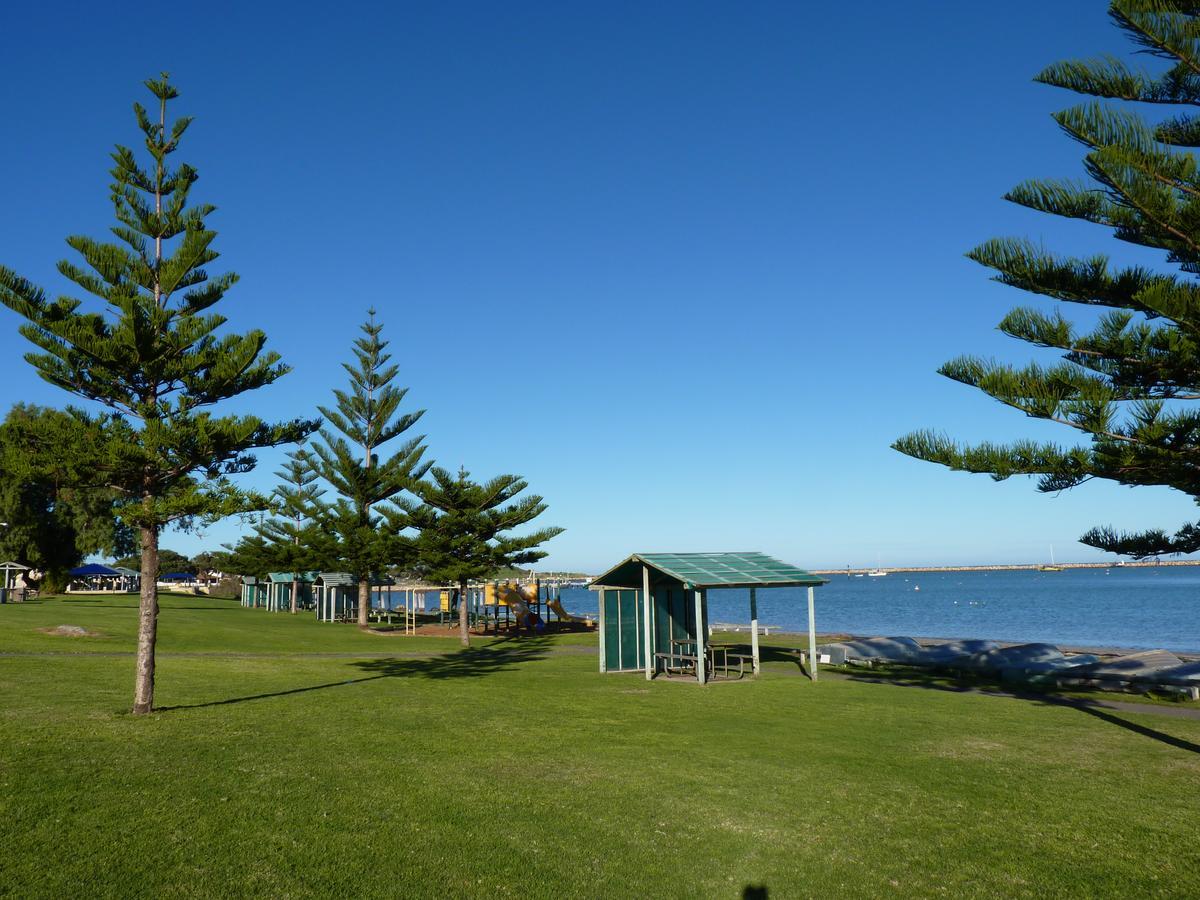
[143, 688]
[364, 601]
[464, 622]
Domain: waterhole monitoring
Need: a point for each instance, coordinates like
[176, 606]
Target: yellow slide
[555, 606]
[515, 600]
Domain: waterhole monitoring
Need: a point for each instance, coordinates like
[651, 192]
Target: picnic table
[682, 659]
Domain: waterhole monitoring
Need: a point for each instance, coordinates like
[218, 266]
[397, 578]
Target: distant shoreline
[1013, 567]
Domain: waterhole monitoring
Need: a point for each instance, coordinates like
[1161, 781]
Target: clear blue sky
[688, 267]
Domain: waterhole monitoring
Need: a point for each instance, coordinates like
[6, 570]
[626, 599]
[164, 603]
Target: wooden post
[600, 620]
[701, 655]
[812, 637]
[754, 629]
[650, 667]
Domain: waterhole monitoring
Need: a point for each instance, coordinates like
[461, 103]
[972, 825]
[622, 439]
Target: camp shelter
[336, 595]
[94, 577]
[279, 590]
[254, 591]
[131, 579]
[658, 602]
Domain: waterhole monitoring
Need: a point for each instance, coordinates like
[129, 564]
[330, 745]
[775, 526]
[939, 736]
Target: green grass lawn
[294, 758]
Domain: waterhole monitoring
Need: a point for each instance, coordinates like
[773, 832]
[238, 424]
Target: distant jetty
[1028, 567]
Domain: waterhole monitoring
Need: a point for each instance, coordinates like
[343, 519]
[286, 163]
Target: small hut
[336, 595]
[279, 591]
[654, 609]
[254, 591]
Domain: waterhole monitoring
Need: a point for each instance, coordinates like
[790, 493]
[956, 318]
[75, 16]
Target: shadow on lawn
[161, 606]
[1085, 707]
[940, 681]
[474, 662]
[767, 653]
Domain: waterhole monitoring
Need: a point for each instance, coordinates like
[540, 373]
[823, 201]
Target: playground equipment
[514, 598]
[555, 606]
[506, 602]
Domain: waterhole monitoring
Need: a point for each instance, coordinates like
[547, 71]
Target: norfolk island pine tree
[461, 528]
[1125, 384]
[154, 358]
[366, 533]
[292, 538]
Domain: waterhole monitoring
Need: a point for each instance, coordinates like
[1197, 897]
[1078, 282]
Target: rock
[71, 631]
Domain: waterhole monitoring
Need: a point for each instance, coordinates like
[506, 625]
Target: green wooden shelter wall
[672, 618]
[624, 630]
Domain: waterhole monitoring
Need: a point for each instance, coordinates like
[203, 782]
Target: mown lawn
[299, 759]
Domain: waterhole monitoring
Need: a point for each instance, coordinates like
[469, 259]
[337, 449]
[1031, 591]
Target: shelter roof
[345, 579]
[709, 570]
[127, 572]
[10, 566]
[288, 577]
[92, 569]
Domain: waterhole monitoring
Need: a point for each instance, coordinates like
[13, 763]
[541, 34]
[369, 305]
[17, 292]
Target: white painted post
[701, 643]
[754, 629]
[650, 667]
[812, 637]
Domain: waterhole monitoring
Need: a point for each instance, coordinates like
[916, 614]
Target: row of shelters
[333, 595]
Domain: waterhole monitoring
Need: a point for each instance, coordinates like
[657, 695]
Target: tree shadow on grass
[161, 606]
[968, 684]
[473, 662]
[1103, 715]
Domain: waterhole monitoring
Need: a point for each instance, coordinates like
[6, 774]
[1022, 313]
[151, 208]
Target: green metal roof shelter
[279, 589]
[336, 594]
[654, 607]
[254, 591]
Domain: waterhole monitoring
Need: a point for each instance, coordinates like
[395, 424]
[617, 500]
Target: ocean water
[1140, 608]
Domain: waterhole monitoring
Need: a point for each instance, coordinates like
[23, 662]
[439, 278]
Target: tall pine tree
[462, 528]
[152, 355]
[364, 419]
[292, 538]
[1122, 385]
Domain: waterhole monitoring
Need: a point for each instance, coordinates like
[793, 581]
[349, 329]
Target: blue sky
[688, 267]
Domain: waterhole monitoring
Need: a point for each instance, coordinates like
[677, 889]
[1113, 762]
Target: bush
[227, 589]
[53, 583]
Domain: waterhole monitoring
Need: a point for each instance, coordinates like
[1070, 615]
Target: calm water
[1138, 608]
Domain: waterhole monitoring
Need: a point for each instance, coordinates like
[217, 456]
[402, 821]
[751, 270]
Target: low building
[654, 610]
